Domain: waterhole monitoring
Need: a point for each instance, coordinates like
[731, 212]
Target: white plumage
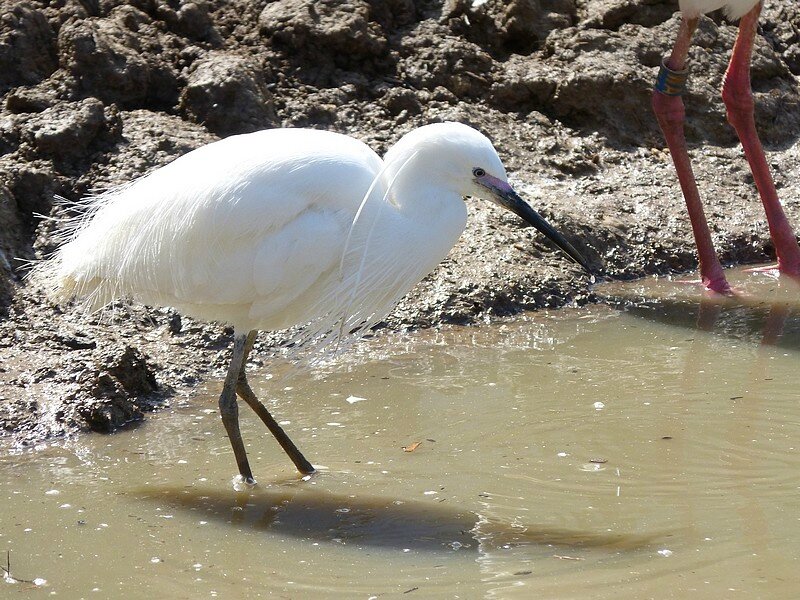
[734, 9]
[282, 228]
[251, 230]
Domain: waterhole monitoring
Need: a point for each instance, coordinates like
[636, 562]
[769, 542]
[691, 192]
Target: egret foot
[240, 484]
[236, 383]
[246, 393]
[229, 409]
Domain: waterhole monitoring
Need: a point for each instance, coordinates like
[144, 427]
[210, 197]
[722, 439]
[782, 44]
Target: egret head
[447, 153]
[463, 159]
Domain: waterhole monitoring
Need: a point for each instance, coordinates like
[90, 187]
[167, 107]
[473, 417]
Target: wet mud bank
[95, 93]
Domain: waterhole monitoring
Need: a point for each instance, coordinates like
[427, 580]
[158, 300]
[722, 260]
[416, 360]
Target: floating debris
[411, 447]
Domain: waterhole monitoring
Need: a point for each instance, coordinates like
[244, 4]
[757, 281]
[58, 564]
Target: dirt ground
[95, 93]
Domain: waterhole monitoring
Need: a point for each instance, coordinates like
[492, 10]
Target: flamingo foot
[719, 286]
[772, 270]
[777, 271]
[713, 288]
[790, 270]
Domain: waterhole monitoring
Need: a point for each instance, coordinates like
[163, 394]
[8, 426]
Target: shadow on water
[306, 512]
[767, 323]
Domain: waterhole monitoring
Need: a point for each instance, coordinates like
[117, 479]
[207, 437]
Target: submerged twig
[11, 579]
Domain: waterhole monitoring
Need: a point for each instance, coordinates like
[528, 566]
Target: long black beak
[508, 198]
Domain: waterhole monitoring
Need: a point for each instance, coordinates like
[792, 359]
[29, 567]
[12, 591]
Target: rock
[432, 60]
[518, 26]
[149, 140]
[341, 30]
[66, 130]
[105, 57]
[29, 99]
[32, 186]
[612, 14]
[527, 23]
[227, 93]
[10, 240]
[9, 135]
[782, 27]
[27, 45]
[394, 13]
[120, 377]
[398, 100]
[191, 19]
[130, 371]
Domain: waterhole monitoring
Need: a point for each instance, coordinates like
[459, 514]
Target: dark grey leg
[229, 410]
[247, 394]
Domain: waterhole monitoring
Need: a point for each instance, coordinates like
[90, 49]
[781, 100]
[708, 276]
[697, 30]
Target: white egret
[281, 228]
[738, 98]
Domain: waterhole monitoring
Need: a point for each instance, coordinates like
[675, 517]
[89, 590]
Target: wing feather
[193, 232]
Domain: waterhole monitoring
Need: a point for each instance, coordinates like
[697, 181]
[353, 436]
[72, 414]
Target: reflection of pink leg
[738, 99]
[708, 315]
[775, 323]
[671, 116]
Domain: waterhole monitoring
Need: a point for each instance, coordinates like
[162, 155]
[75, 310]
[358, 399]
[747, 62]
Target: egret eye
[478, 172]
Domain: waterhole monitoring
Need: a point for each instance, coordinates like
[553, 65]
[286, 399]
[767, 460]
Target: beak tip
[510, 200]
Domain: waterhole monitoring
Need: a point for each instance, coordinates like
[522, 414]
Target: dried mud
[97, 92]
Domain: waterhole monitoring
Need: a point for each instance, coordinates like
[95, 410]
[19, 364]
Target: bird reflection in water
[774, 323]
[314, 514]
[766, 312]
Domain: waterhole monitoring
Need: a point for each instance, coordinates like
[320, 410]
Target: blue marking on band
[671, 83]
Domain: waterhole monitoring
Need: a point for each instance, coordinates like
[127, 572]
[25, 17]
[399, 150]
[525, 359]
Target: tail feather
[68, 273]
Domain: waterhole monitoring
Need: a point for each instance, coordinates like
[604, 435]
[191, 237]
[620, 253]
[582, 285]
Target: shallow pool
[645, 448]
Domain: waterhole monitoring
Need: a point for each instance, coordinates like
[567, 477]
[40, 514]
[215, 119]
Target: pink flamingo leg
[738, 98]
[671, 114]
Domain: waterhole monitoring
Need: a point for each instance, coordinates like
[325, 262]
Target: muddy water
[645, 448]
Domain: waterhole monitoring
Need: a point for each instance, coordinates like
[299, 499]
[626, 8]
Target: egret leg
[738, 97]
[229, 410]
[671, 115]
[247, 394]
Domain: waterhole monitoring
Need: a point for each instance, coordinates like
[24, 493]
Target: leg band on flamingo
[671, 83]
